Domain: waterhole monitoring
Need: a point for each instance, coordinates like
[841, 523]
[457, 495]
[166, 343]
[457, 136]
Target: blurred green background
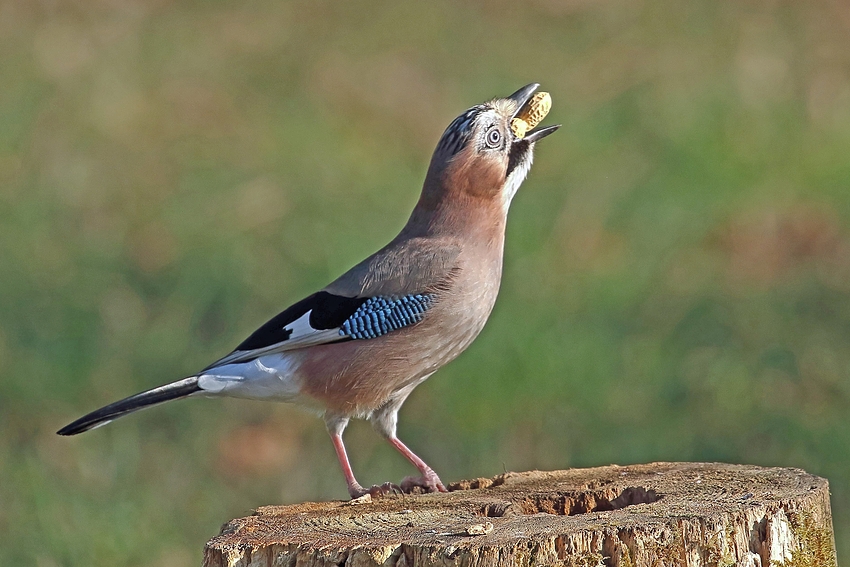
[172, 174]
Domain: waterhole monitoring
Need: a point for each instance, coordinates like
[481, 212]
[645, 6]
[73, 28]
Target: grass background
[173, 173]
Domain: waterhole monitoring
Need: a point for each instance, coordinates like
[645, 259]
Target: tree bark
[660, 514]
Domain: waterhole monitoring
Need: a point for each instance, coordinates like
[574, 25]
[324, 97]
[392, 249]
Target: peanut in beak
[532, 114]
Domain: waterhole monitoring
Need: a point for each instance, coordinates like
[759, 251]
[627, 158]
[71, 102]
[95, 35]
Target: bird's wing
[324, 318]
[392, 289]
[406, 265]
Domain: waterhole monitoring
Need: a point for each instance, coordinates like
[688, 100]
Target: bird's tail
[104, 415]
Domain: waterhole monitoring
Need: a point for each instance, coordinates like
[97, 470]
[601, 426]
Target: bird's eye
[494, 138]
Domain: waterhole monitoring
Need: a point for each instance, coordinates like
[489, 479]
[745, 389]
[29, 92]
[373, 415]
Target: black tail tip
[81, 426]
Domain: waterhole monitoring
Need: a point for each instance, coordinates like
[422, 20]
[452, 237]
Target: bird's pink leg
[429, 480]
[354, 488]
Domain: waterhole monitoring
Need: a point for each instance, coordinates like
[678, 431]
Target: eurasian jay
[361, 345]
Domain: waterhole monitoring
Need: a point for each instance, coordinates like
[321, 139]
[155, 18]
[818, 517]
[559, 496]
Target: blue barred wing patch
[380, 315]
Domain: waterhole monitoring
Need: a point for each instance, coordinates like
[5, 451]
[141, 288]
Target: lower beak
[539, 134]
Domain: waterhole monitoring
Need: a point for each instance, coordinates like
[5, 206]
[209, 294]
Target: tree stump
[661, 514]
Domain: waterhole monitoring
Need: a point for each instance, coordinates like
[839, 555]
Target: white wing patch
[301, 328]
[303, 335]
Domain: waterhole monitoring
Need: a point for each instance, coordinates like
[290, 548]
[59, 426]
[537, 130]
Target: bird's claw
[376, 491]
[422, 484]
[409, 485]
[384, 490]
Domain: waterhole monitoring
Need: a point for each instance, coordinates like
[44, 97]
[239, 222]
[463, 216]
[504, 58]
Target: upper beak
[521, 97]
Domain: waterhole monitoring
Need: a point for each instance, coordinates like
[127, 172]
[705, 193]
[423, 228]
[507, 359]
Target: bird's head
[481, 157]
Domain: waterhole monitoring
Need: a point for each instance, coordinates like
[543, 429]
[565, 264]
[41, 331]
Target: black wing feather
[327, 312]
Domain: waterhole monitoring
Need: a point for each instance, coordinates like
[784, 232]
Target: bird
[357, 348]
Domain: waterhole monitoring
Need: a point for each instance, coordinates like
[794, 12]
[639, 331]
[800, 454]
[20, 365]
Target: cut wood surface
[660, 514]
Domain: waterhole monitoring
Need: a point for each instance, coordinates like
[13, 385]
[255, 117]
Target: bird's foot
[376, 491]
[429, 482]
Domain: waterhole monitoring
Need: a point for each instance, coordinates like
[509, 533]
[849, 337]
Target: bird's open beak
[521, 98]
